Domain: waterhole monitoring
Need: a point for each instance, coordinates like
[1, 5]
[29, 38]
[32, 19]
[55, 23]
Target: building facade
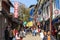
[45, 7]
[4, 10]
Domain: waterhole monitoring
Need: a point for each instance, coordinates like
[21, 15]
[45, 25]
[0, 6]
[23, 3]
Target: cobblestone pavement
[30, 37]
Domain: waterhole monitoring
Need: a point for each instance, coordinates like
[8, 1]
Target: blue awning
[55, 20]
[32, 11]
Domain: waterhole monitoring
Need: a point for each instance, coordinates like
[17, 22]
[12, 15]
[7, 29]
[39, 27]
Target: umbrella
[29, 24]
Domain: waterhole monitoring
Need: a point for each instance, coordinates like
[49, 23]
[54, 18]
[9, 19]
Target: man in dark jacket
[6, 34]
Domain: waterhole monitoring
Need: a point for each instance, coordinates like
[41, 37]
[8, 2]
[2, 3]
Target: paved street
[30, 37]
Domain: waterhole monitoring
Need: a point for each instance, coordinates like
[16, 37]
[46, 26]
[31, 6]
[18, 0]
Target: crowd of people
[15, 34]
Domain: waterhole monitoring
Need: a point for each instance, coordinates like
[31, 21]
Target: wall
[0, 5]
[2, 27]
[3, 24]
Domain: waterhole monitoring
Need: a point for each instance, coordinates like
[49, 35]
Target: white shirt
[42, 35]
[17, 37]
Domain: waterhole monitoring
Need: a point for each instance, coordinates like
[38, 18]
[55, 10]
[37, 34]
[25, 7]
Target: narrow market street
[29, 19]
[30, 37]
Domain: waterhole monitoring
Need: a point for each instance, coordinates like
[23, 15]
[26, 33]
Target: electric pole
[50, 15]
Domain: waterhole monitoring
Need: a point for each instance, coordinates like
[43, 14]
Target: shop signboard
[16, 10]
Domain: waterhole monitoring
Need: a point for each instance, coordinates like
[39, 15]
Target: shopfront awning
[56, 20]
[6, 14]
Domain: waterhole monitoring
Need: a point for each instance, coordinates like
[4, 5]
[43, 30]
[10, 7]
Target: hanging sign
[16, 10]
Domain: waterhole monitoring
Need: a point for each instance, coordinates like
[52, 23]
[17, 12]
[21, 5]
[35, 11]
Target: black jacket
[6, 34]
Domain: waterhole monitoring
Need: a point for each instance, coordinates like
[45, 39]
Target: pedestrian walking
[45, 36]
[24, 33]
[21, 34]
[34, 32]
[49, 36]
[39, 30]
[10, 34]
[41, 35]
[6, 34]
[17, 36]
[45, 27]
[14, 33]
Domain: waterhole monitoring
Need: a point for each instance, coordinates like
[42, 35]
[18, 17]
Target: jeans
[14, 38]
[34, 33]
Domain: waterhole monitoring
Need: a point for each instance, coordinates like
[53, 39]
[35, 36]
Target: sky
[26, 2]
